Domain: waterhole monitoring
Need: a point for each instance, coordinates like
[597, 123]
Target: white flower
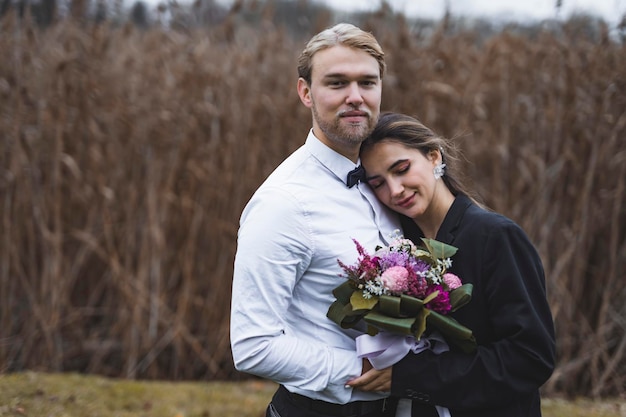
[374, 287]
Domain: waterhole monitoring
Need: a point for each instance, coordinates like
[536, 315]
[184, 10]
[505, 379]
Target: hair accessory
[438, 171]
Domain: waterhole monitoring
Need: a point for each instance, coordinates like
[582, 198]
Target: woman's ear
[434, 156]
[304, 91]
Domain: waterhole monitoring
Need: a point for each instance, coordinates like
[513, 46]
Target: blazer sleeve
[517, 352]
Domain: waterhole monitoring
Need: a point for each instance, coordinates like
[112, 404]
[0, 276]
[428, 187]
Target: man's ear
[304, 91]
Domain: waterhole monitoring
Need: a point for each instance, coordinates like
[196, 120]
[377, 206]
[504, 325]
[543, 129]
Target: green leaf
[419, 325]
[372, 330]
[423, 255]
[430, 297]
[390, 305]
[390, 324]
[410, 306]
[461, 296]
[344, 291]
[361, 303]
[454, 332]
[439, 249]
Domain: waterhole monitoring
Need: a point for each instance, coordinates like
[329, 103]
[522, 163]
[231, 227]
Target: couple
[303, 219]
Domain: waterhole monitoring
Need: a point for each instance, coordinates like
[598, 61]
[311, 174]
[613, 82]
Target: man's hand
[372, 379]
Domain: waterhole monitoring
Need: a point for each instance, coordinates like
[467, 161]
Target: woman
[412, 171]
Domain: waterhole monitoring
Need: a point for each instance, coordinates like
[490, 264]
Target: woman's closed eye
[402, 168]
[375, 182]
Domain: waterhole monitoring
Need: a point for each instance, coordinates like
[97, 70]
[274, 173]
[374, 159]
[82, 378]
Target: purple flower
[441, 303]
[393, 258]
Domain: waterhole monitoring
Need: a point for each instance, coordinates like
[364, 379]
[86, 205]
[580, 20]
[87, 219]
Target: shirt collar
[336, 163]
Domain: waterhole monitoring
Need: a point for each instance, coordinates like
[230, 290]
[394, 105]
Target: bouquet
[404, 289]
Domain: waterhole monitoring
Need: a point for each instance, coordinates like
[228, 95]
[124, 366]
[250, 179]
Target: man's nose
[354, 94]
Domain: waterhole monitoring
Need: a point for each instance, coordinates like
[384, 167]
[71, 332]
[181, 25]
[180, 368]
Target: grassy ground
[71, 395]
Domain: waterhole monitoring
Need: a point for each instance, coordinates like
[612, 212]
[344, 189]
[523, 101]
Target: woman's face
[402, 177]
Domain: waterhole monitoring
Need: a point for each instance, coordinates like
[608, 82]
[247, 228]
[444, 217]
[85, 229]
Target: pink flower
[451, 280]
[396, 279]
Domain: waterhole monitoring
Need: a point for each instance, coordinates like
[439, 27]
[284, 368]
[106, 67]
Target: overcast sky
[611, 10]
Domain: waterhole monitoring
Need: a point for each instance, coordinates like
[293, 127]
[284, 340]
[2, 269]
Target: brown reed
[127, 157]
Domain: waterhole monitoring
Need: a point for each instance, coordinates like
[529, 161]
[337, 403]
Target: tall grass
[127, 156]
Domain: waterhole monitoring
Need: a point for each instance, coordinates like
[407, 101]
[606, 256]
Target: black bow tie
[356, 175]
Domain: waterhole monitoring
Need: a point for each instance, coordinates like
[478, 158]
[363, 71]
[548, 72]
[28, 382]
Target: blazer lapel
[449, 226]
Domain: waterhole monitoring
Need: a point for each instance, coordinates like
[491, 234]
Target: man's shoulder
[300, 171]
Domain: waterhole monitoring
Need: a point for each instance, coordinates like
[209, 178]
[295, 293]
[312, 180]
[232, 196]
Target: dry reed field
[126, 157]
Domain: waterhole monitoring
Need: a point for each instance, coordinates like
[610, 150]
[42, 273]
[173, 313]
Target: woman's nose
[395, 187]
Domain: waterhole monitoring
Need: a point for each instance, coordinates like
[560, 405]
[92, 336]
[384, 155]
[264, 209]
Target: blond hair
[340, 34]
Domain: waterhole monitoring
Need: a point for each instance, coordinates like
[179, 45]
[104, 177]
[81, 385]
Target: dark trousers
[286, 404]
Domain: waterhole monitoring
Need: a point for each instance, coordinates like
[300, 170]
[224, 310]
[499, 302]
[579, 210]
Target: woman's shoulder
[494, 233]
[480, 218]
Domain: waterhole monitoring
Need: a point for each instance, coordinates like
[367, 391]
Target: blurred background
[133, 134]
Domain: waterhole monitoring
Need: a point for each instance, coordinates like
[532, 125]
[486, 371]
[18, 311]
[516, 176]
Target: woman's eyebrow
[395, 164]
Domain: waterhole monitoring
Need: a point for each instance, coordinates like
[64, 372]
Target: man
[298, 224]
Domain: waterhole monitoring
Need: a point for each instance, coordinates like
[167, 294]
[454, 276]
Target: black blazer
[509, 315]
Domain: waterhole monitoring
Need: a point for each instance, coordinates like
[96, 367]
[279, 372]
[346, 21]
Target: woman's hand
[372, 379]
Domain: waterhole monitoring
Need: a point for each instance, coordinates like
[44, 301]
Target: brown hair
[410, 132]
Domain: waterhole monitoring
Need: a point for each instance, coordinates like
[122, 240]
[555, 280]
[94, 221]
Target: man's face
[344, 96]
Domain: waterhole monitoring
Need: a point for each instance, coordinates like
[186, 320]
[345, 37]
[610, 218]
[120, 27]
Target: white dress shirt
[292, 232]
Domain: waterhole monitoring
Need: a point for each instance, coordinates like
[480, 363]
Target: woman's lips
[406, 202]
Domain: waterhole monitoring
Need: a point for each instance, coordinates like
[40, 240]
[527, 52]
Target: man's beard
[337, 132]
